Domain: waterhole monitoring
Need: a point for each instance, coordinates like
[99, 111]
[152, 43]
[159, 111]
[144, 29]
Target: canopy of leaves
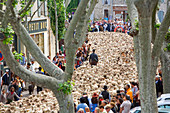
[61, 17]
[72, 6]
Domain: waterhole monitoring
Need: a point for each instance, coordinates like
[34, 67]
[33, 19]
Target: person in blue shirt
[82, 104]
[23, 61]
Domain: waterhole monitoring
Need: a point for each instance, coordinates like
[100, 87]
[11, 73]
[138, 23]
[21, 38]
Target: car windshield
[159, 99]
[167, 98]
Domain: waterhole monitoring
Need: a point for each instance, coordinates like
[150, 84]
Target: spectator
[159, 86]
[5, 80]
[108, 109]
[113, 107]
[105, 94]
[102, 110]
[119, 102]
[39, 72]
[10, 95]
[23, 61]
[100, 99]
[129, 92]
[93, 58]
[54, 60]
[32, 67]
[80, 110]
[3, 96]
[126, 105]
[82, 104]
[94, 101]
[97, 110]
[134, 90]
[87, 100]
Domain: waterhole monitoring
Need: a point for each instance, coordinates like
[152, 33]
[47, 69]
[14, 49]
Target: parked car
[164, 104]
[160, 110]
[164, 97]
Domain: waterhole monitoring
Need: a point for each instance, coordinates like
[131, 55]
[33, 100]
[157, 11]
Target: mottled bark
[69, 40]
[26, 7]
[56, 27]
[133, 14]
[165, 66]
[26, 75]
[146, 78]
[66, 103]
[154, 29]
[67, 2]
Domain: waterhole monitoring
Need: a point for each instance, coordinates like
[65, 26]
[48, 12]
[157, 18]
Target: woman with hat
[94, 101]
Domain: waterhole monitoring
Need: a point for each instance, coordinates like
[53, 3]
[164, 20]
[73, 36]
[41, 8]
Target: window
[167, 98]
[42, 9]
[106, 2]
[39, 10]
[138, 111]
[160, 15]
[162, 1]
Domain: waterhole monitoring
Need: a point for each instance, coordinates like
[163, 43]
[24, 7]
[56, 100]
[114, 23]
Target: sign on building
[37, 26]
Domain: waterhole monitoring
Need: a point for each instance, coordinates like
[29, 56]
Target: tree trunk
[146, 76]
[56, 27]
[165, 65]
[66, 103]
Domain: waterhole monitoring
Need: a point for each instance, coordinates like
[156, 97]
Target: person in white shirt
[108, 108]
[102, 110]
[126, 105]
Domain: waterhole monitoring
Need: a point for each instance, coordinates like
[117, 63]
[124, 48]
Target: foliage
[137, 24]
[8, 32]
[157, 25]
[73, 5]
[61, 17]
[15, 2]
[168, 47]
[66, 87]
[27, 12]
[17, 56]
[167, 36]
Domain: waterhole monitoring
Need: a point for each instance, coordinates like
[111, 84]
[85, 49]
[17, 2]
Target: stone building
[40, 30]
[162, 9]
[120, 9]
[111, 9]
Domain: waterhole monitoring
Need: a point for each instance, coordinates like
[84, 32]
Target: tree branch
[160, 37]
[83, 24]
[36, 11]
[26, 75]
[154, 30]
[80, 30]
[26, 7]
[1, 15]
[24, 36]
[6, 15]
[70, 32]
[133, 14]
[67, 2]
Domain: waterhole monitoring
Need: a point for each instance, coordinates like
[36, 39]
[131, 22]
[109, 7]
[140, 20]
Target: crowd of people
[117, 25]
[81, 55]
[122, 102]
[12, 85]
[103, 103]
